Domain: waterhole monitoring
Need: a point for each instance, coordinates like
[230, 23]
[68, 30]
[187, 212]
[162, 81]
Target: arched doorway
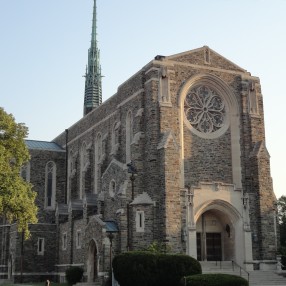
[215, 236]
[92, 262]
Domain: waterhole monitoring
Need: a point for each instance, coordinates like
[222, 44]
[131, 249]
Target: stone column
[191, 226]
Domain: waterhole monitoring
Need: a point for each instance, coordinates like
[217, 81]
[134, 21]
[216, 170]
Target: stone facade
[193, 125]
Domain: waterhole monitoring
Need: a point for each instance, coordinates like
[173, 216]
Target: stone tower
[92, 93]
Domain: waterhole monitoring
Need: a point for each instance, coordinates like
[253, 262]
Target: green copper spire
[93, 92]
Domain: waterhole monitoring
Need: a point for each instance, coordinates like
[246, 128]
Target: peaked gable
[205, 56]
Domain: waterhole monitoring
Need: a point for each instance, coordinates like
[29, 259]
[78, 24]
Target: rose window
[204, 109]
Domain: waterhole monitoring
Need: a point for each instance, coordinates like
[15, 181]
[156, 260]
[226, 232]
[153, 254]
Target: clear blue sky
[44, 43]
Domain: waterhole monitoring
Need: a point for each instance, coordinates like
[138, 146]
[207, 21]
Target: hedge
[152, 269]
[74, 274]
[283, 261]
[217, 279]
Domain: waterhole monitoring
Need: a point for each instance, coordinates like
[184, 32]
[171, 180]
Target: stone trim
[207, 68]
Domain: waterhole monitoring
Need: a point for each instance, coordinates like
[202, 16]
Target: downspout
[67, 153]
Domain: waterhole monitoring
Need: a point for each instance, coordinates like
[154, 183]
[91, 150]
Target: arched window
[71, 172]
[84, 162]
[112, 188]
[50, 185]
[97, 159]
[99, 146]
[129, 136]
[115, 138]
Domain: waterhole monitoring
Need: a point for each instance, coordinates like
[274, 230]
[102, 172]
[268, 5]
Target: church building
[177, 156]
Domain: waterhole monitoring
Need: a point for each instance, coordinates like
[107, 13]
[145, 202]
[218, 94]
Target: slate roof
[77, 205]
[43, 145]
[91, 199]
[63, 209]
[111, 226]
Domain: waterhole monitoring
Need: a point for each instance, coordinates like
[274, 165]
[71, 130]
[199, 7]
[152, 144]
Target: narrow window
[97, 160]
[140, 221]
[112, 188]
[115, 138]
[49, 189]
[41, 246]
[99, 146]
[78, 239]
[129, 136]
[50, 185]
[71, 173]
[83, 166]
[64, 241]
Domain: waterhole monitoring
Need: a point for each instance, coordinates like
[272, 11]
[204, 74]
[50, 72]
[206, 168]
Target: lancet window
[129, 135]
[50, 185]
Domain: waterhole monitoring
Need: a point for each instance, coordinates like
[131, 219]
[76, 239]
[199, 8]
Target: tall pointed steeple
[93, 92]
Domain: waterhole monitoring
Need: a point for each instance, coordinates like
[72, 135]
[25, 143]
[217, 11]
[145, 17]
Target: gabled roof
[43, 145]
[197, 57]
[143, 199]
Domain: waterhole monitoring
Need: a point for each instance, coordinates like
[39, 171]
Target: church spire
[93, 92]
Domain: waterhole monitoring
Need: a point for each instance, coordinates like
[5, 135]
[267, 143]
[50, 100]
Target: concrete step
[257, 277]
[98, 282]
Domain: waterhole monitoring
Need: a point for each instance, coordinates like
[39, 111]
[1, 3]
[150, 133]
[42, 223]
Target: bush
[152, 269]
[214, 280]
[172, 267]
[74, 274]
[283, 262]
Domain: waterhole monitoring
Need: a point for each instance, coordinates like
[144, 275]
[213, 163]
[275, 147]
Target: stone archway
[92, 262]
[221, 235]
[215, 234]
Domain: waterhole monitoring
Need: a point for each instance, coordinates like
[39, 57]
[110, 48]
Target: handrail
[240, 268]
[219, 263]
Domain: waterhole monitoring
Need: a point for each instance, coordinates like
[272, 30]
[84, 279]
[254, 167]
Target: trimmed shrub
[283, 261]
[172, 267]
[135, 268]
[214, 280]
[152, 269]
[74, 274]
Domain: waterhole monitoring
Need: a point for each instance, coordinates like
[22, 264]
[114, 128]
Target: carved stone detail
[205, 109]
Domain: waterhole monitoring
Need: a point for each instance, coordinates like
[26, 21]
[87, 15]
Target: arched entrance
[218, 232]
[92, 262]
[215, 236]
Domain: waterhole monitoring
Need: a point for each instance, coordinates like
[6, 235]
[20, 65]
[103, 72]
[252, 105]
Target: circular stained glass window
[205, 110]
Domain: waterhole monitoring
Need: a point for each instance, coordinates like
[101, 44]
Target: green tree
[17, 200]
[158, 247]
[281, 205]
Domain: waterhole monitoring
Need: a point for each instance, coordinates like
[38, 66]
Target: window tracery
[205, 109]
